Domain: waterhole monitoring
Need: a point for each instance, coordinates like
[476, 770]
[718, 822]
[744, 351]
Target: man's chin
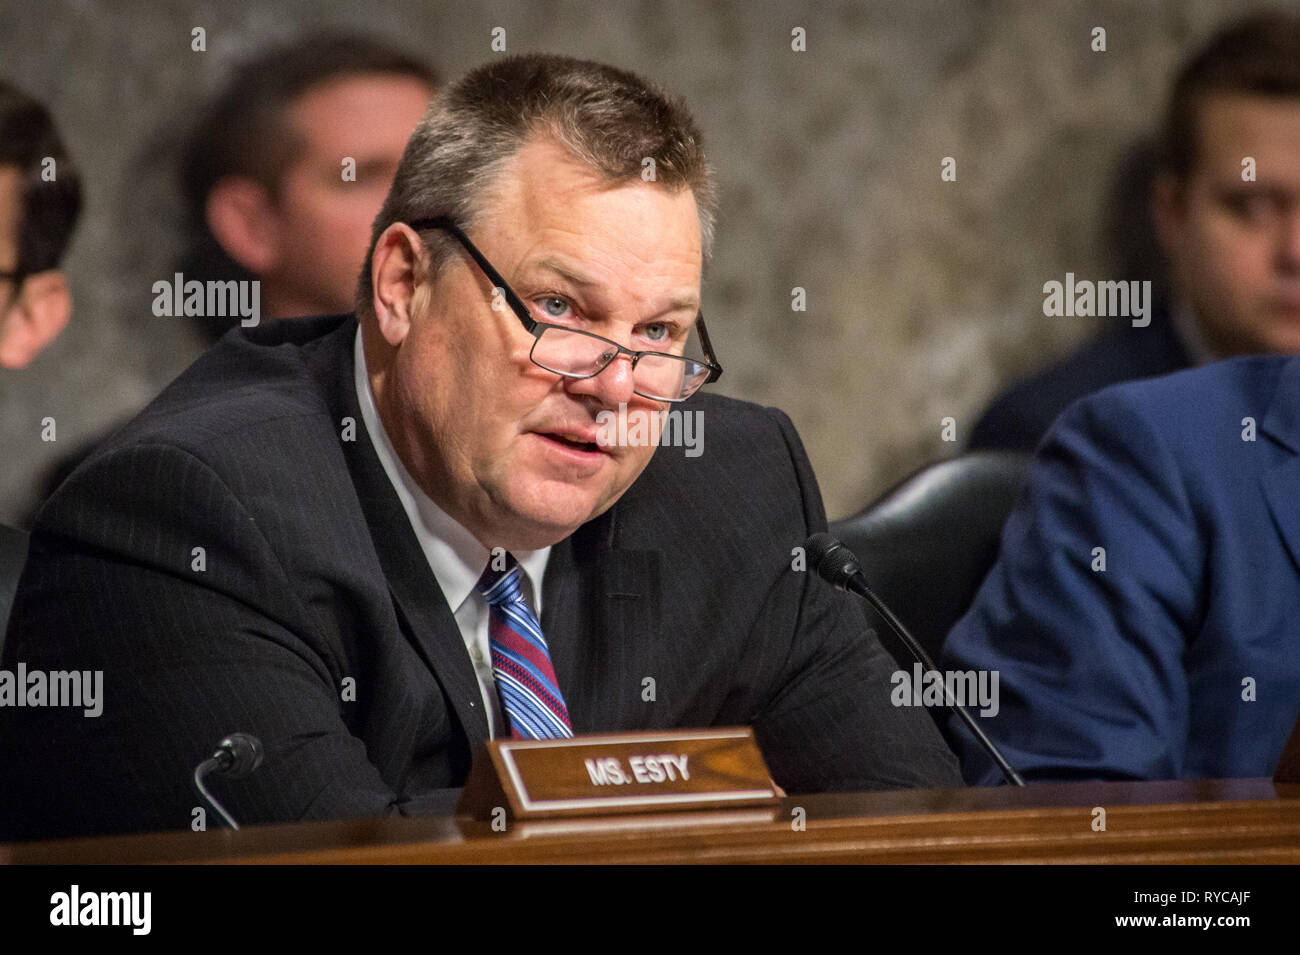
[541, 520]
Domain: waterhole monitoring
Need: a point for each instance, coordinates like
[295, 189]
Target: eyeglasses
[575, 353]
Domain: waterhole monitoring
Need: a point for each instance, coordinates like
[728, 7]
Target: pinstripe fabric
[235, 560]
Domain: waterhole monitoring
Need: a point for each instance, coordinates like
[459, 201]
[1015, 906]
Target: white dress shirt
[455, 556]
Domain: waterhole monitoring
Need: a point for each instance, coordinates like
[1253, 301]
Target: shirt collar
[455, 556]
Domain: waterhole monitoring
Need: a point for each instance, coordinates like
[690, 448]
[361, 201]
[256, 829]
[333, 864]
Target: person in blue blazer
[1144, 614]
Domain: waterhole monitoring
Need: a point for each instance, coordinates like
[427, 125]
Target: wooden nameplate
[618, 773]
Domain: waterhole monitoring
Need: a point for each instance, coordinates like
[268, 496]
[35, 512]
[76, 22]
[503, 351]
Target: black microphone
[236, 756]
[837, 566]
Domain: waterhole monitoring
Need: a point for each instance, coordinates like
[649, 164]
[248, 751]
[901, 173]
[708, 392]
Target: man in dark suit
[308, 535]
[1144, 616]
[1228, 174]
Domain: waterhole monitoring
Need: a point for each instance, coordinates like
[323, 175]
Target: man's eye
[658, 332]
[554, 306]
[1252, 207]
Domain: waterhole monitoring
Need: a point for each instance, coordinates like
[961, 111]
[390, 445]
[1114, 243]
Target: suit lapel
[415, 591]
[1282, 422]
[601, 617]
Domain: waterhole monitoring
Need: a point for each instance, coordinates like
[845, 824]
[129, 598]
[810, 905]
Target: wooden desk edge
[1194, 820]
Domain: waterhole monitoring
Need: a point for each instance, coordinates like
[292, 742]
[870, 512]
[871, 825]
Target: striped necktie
[521, 662]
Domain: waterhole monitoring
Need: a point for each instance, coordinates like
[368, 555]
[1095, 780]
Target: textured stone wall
[923, 296]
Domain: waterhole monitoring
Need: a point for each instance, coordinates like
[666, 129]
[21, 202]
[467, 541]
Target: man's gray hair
[609, 119]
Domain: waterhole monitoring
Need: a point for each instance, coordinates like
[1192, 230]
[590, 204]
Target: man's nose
[613, 384]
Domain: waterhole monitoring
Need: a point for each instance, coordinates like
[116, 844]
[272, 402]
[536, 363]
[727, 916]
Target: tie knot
[500, 584]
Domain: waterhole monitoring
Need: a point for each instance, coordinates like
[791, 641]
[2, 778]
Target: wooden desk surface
[1224, 821]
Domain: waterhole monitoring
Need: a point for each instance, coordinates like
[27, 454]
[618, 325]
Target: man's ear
[397, 268]
[34, 319]
[241, 217]
[1168, 210]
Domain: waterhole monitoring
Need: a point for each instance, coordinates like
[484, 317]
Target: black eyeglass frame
[536, 328]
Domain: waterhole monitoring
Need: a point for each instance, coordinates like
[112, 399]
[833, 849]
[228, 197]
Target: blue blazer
[1181, 658]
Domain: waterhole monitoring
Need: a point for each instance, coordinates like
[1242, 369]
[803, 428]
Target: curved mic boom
[836, 565]
[236, 756]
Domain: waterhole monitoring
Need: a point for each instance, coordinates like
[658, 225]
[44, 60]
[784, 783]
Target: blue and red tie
[521, 662]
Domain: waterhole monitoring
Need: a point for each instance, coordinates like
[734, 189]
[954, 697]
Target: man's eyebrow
[564, 271]
[683, 302]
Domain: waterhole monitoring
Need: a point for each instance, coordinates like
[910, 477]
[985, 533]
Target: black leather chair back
[13, 554]
[926, 545]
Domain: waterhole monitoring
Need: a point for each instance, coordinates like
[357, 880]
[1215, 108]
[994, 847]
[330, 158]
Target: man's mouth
[573, 440]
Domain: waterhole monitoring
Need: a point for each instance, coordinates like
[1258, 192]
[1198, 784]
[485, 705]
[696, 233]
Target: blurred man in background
[287, 168]
[40, 196]
[284, 174]
[1226, 205]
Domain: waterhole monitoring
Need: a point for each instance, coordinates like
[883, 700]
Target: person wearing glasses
[375, 541]
[40, 196]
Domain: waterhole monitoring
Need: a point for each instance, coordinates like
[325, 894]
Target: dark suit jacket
[312, 576]
[1181, 658]
[1020, 416]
